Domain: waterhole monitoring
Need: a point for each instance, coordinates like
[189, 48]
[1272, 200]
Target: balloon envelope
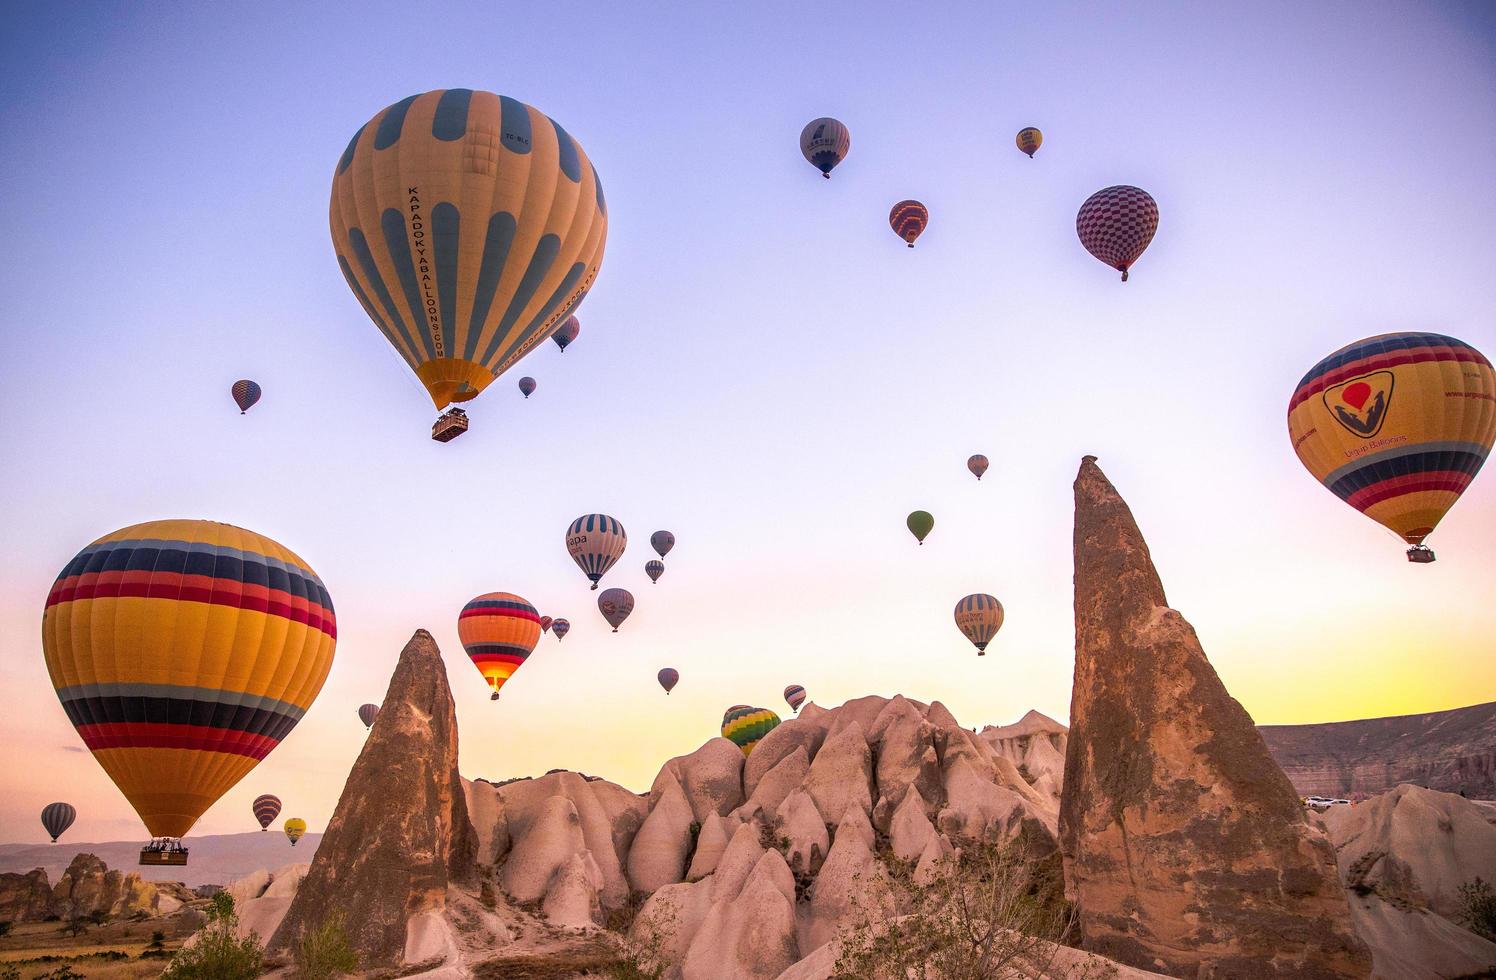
[615, 605]
[1116, 224]
[545, 624]
[560, 628]
[1397, 426]
[794, 696]
[245, 393]
[654, 568]
[920, 524]
[979, 617]
[567, 332]
[57, 818]
[1029, 139]
[662, 542]
[668, 678]
[908, 220]
[367, 713]
[499, 631]
[978, 465]
[595, 542]
[527, 386]
[266, 808]
[744, 726]
[469, 226]
[825, 142]
[295, 828]
[183, 652]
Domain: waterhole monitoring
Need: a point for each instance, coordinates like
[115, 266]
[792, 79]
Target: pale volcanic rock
[1409, 944]
[549, 843]
[1185, 847]
[907, 757]
[658, 855]
[712, 778]
[980, 809]
[841, 774]
[743, 852]
[25, 897]
[262, 898]
[379, 864]
[806, 732]
[753, 935]
[777, 784]
[572, 898]
[802, 824]
[711, 841]
[911, 832]
[851, 877]
[937, 852]
[490, 821]
[89, 886]
[862, 712]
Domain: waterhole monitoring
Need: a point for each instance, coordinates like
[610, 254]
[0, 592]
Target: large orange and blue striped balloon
[245, 393]
[499, 631]
[595, 542]
[1397, 426]
[469, 226]
[266, 808]
[979, 617]
[183, 652]
[908, 220]
[744, 726]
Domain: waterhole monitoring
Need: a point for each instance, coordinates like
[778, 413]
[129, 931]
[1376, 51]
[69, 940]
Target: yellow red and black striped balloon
[1397, 426]
[470, 226]
[183, 652]
[499, 631]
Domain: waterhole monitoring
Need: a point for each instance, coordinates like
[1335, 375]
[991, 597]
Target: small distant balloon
[246, 393]
[595, 542]
[654, 568]
[668, 677]
[825, 142]
[908, 220]
[567, 332]
[920, 524]
[545, 624]
[1116, 224]
[1029, 139]
[662, 542]
[615, 605]
[57, 818]
[794, 696]
[266, 808]
[498, 631]
[367, 713]
[744, 726]
[527, 386]
[559, 628]
[979, 617]
[295, 828]
[978, 465]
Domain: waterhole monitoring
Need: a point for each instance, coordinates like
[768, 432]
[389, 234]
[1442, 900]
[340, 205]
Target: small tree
[217, 952]
[1478, 908]
[323, 952]
[98, 917]
[158, 940]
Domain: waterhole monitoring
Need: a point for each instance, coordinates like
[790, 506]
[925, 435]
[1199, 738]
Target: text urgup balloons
[470, 226]
[184, 652]
[615, 605]
[824, 143]
[1397, 426]
[1116, 224]
[595, 542]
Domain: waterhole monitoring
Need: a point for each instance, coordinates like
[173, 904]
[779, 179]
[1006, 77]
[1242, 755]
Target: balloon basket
[1420, 554]
[449, 425]
[163, 852]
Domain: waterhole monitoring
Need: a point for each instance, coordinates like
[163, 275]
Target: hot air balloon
[662, 542]
[527, 386]
[978, 465]
[245, 393]
[595, 542]
[920, 524]
[559, 628]
[295, 828]
[183, 652]
[567, 332]
[266, 808]
[615, 605]
[794, 696]
[654, 568]
[825, 143]
[1116, 224]
[469, 226]
[57, 818]
[979, 617]
[908, 220]
[545, 624]
[668, 678]
[367, 713]
[1029, 139]
[1397, 426]
[499, 631]
[744, 726]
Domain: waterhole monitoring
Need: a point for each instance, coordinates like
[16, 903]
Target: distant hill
[214, 860]
[1452, 751]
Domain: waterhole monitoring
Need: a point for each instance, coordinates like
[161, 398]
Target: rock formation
[400, 832]
[1185, 847]
[89, 886]
[1451, 751]
[25, 897]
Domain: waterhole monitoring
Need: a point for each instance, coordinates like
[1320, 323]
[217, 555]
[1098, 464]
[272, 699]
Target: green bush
[1478, 908]
[218, 953]
[324, 953]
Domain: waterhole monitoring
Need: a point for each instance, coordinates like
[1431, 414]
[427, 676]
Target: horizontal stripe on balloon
[1409, 464]
[194, 588]
[1365, 358]
[183, 693]
[1396, 452]
[1387, 489]
[491, 659]
[499, 607]
[198, 558]
[148, 735]
[178, 713]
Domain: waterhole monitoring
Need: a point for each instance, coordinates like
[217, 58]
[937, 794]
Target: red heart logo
[1356, 394]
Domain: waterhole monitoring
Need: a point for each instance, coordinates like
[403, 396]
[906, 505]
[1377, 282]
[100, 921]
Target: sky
[764, 369]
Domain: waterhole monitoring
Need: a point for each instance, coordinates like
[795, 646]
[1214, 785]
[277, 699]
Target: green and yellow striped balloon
[744, 726]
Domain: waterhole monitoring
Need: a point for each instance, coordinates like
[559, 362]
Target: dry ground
[40, 947]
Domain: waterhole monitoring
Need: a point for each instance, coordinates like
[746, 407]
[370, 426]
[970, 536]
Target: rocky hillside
[88, 886]
[1451, 751]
